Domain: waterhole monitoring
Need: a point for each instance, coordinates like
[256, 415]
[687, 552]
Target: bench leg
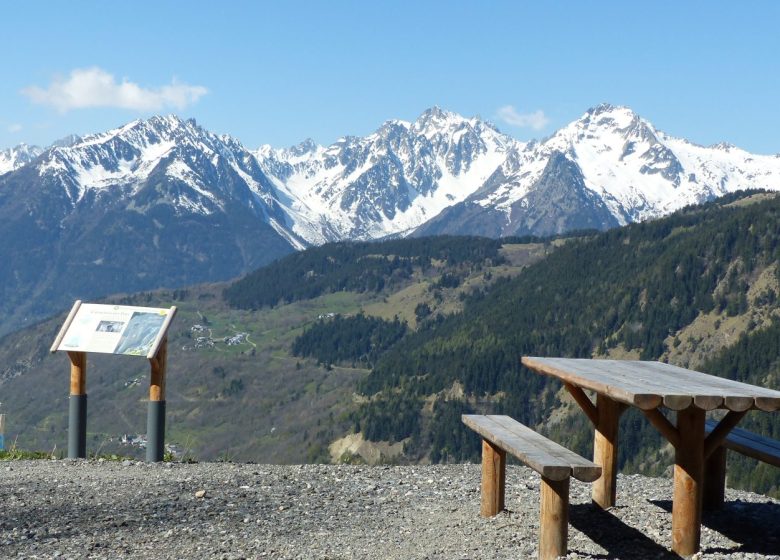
[715, 480]
[493, 479]
[554, 519]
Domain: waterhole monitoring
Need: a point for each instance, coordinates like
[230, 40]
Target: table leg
[605, 449]
[688, 482]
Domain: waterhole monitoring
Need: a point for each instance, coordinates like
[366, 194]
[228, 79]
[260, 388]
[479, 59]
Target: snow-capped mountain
[14, 158]
[444, 173]
[163, 202]
[441, 173]
[389, 182]
[160, 202]
[608, 168]
[209, 171]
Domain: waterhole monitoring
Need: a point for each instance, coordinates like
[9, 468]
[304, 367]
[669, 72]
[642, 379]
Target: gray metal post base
[77, 427]
[155, 432]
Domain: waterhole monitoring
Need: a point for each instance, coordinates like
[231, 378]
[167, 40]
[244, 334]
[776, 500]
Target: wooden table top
[648, 385]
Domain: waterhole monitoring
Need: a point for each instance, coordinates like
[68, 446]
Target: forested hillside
[356, 267]
[357, 339]
[657, 290]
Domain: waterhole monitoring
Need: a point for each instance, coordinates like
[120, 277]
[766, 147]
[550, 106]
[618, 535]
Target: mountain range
[163, 202]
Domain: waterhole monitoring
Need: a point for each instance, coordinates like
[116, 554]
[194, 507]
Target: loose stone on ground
[86, 509]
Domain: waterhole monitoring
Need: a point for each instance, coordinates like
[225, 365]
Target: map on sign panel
[113, 329]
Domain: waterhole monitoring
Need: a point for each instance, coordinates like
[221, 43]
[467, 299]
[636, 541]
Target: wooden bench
[556, 464]
[746, 443]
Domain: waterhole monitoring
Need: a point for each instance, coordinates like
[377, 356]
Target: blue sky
[279, 72]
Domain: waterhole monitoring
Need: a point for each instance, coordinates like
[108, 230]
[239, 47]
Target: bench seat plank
[546, 457]
[749, 444]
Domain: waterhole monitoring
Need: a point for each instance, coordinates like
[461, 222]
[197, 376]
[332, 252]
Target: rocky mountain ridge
[442, 173]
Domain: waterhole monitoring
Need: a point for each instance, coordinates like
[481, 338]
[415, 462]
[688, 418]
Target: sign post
[2, 431]
[77, 418]
[123, 330]
[155, 418]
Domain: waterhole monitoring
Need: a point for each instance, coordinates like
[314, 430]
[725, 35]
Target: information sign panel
[114, 329]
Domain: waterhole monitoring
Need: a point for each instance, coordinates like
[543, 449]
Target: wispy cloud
[94, 87]
[536, 120]
[14, 128]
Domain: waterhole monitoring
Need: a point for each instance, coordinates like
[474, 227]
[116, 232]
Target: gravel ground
[93, 509]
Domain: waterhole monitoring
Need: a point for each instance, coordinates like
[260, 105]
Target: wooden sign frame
[157, 355]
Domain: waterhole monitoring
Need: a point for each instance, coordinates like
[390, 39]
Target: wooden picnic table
[650, 386]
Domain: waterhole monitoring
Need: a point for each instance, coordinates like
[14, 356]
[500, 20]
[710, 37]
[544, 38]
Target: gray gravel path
[89, 509]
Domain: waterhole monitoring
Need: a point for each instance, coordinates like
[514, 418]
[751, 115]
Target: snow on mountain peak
[606, 116]
[608, 108]
[724, 146]
[308, 146]
[124, 158]
[391, 128]
[435, 114]
[66, 141]
[18, 156]
[436, 121]
[405, 174]
[388, 182]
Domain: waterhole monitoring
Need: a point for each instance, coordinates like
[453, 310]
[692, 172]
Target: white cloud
[536, 120]
[14, 128]
[94, 87]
